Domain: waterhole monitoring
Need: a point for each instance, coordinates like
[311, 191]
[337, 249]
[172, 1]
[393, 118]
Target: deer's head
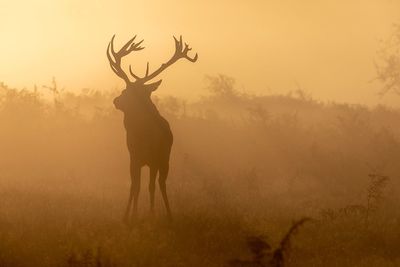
[136, 95]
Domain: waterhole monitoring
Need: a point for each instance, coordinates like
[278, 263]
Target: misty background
[280, 119]
[241, 165]
[326, 47]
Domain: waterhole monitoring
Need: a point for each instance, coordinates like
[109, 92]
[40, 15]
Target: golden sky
[326, 46]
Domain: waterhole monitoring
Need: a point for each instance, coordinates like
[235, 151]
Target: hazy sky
[327, 47]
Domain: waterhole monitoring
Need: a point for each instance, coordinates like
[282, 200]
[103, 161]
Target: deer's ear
[153, 86]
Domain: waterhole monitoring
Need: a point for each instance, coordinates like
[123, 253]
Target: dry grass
[242, 165]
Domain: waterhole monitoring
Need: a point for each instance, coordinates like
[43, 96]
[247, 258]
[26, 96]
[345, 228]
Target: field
[244, 169]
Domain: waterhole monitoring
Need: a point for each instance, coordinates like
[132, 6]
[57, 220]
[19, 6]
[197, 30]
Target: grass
[241, 166]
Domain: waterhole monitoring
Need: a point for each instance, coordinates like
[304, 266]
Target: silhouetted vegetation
[242, 165]
[388, 62]
[262, 256]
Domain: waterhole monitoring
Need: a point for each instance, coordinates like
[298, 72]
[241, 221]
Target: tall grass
[242, 165]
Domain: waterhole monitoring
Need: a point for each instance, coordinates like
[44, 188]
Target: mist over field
[242, 165]
[283, 118]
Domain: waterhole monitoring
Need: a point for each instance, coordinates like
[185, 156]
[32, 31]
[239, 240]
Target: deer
[148, 134]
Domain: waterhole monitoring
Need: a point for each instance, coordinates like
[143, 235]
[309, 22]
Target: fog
[286, 134]
[241, 165]
[327, 47]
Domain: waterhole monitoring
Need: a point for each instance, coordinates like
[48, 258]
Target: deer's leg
[135, 186]
[134, 190]
[128, 207]
[163, 187]
[152, 186]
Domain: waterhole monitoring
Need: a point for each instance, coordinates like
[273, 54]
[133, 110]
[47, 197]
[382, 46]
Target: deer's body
[148, 134]
[151, 143]
[149, 137]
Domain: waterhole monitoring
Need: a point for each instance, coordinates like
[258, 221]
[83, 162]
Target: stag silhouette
[149, 136]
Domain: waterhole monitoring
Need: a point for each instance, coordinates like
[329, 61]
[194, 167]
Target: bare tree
[388, 63]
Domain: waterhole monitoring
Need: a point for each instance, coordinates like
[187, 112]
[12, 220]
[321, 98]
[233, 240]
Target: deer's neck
[147, 120]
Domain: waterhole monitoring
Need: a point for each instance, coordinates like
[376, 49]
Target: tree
[388, 63]
[221, 85]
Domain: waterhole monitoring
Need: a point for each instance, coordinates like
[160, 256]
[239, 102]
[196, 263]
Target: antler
[125, 50]
[181, 51]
